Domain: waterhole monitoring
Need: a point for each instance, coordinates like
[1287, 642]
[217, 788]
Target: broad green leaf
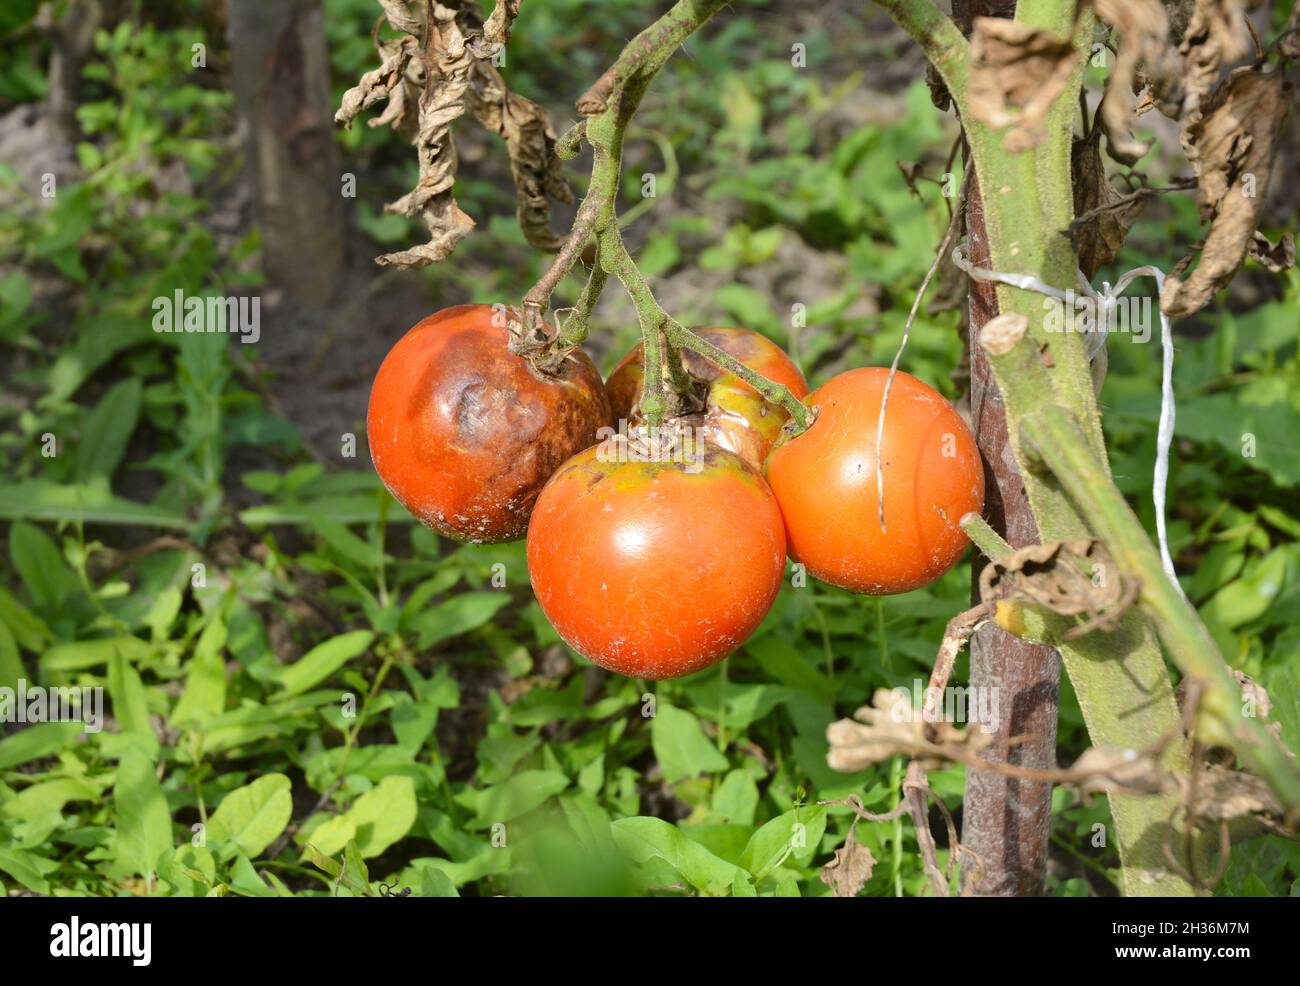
[99, 341]
[91, 503]
[1250, 596]
[48, 796]
[796, 835]
[457, 615]
[780, 659]
[205, 687]
[250, 818]
[28, 629]
[84, 654]
[126, 690]
[347, 544]
[349, 508]
[643, 838]
[144, 827]
[245, 880]
[435, 883]
[27, 868]
[323, 660]
[106, 430]
[517, 796]
[376, 820]
[40, 740]
[42, 568]
[736, 798]
[11, 662]
[680, 745]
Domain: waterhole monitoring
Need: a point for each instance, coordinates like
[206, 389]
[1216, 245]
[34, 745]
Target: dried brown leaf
[1216, 36]
[1230, 145]
[1255, 702]
[1110, 770]
[448, 63]
[1017, 72]
[530, 141]
[1104, 216]
[1073, 578]
[1278, 256]
[385, 82]
[890, 727]
[1288, 44]
[430, 78]
[851, 868]
[401, 18]
[1143, 27]
[1220, 794]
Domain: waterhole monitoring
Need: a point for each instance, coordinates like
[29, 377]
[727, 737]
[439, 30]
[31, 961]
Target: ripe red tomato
[825, 482]
[465, 434]
[733, 417]
[655, 569]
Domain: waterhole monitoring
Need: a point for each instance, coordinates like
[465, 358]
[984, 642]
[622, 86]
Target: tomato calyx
[792, 429]
[538, 347]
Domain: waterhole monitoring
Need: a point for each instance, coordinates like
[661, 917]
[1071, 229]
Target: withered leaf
[1255, 702]
[1104, 216]
[386, 82]
[430, 77]
[1216, 36]
[530, 142]
[890, 727]
[1108, 770]
[1230, 146]
[1288, 44]
[448, 65]
[1278, 256]
[1143, 27]
[851, 868]
[1072, 578]
[1218, 793]
[1016, 73]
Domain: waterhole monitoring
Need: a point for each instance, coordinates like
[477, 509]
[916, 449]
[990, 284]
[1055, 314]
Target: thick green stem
[1056, 438]
[774, 393]
[609, 107]
[989, 541]
[1120, 676]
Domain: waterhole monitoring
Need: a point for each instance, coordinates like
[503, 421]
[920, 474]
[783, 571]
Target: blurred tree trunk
[1008, 822]
[72, 38]
[282, 93]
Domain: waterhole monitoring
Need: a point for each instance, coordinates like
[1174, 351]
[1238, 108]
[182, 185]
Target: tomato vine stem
[608, 108]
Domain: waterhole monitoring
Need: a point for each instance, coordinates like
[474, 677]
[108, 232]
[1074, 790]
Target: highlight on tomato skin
[464, 433]
[733, 415]
[656, 569]
[825, 482]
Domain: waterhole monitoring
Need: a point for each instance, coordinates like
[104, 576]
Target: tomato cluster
[657, 552]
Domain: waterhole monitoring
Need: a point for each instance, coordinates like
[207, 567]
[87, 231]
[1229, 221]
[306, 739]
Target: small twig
[855, 803]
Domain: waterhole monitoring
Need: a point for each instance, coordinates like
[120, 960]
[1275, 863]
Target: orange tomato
[732, 415]
[464, 433]
[825, 482]
[655, 569]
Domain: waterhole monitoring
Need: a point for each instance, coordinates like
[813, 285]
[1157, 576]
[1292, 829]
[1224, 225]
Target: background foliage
[484, 757]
